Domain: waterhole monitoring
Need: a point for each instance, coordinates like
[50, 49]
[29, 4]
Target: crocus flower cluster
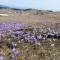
[25, 33]
[29, 33]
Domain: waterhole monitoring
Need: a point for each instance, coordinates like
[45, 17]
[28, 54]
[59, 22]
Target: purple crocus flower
[1, 58]
[14, 44]
[15, 52]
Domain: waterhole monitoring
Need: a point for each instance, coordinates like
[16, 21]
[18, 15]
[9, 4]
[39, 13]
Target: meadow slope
[28, 18]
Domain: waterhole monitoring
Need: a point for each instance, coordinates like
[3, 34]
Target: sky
[37, 4]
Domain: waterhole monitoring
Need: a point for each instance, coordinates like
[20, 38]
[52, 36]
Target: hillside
[32, 16]
[29, 34]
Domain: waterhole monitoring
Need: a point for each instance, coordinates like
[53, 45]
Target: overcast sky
[37, 4]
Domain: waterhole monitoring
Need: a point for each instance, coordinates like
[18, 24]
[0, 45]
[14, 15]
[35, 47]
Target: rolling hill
[29, 16]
